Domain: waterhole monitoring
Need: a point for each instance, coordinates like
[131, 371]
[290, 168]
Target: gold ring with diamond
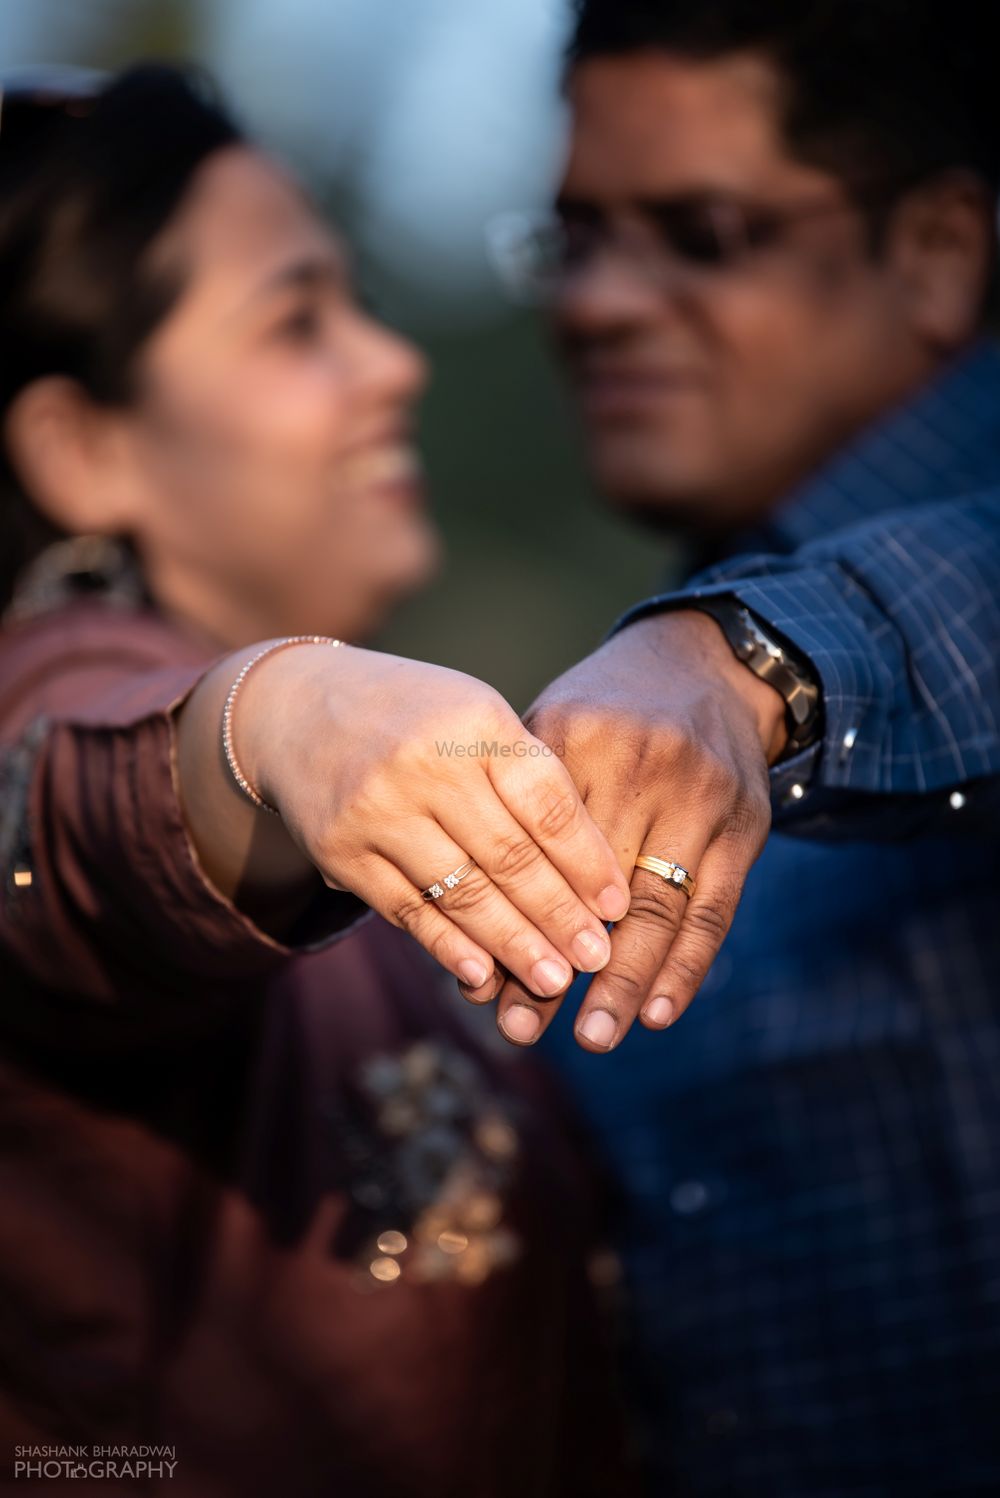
[672, 873]
[441, 886]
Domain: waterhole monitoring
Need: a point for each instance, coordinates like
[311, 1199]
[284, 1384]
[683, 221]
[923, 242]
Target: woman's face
[278, 489]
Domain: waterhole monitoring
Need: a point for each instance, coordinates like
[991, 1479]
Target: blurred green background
[414, 123]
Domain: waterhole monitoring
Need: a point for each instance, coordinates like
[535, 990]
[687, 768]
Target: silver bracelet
[227, 712]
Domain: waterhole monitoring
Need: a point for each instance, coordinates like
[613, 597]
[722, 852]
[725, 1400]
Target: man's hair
[880, 93]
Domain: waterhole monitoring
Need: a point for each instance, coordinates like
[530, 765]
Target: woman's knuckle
[407, 911]
[515, 854]
[471, 895]
[563, 912]
[556, 810]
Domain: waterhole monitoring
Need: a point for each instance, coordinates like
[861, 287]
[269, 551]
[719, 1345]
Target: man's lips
[607, 393]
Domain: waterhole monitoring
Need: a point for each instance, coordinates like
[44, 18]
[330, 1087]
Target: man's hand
[668, 738]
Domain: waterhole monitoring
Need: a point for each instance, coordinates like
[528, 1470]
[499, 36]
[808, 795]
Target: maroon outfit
[204, 1133]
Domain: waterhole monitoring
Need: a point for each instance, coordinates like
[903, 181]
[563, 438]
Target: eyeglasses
[539, 255]
[32, 99]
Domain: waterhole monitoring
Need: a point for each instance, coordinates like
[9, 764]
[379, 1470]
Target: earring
[89, 566]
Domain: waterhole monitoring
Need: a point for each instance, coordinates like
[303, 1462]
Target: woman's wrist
[239, 846]
[273, 715]
[248, 783]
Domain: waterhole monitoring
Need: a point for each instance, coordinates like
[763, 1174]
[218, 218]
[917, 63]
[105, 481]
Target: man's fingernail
[612, 902]
[659, 1011]
[600, 1028]
[473, 973]
[520, 1024]
[550, 977]
[590, 950]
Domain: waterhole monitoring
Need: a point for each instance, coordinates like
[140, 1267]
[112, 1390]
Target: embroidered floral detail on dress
[17, 765]
[431, 1167]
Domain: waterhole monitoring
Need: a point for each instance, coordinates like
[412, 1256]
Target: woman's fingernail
[659, 1011]
[590, 950]
[520, 1024]
[473, 973]
[612, 902]
[550, 977]
[600, 1028]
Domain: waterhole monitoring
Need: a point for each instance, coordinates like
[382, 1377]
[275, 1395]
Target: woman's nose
[394, 366]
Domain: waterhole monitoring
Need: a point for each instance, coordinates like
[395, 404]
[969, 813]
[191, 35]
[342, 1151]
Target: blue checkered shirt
[808, 1165]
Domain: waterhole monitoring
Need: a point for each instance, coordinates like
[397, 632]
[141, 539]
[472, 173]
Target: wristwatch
[779, 665]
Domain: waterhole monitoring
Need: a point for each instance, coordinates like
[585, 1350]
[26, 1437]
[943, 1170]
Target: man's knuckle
[546, 723]
[709, 919]
[661, 908]
[629, 987]
[721, 778]
[750, 817]
[685, 971]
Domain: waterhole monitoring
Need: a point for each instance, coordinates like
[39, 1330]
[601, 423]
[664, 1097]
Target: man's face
[709, 389]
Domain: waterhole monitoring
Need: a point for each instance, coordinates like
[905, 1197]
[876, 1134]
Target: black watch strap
[780, 666]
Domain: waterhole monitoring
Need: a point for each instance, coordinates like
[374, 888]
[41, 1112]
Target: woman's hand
[390, 774]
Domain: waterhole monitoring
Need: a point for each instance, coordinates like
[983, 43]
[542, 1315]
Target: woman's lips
[393, 468]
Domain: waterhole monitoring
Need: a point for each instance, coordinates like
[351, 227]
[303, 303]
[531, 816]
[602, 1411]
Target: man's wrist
[695, 639]
[763, 701]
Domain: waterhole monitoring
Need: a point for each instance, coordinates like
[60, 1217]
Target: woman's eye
[302, 325]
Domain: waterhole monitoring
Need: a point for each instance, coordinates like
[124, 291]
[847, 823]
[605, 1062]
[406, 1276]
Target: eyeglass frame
[508, 233]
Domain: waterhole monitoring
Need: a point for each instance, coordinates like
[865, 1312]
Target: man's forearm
[901, 620]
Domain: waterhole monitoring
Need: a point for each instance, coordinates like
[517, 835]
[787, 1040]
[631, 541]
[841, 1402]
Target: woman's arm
[135, 871]
[388, 775]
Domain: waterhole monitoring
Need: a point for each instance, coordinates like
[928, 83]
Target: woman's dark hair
[82, 199]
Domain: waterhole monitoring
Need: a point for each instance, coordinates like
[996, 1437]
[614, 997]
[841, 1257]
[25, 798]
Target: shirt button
[848, 742]
[688, 1198]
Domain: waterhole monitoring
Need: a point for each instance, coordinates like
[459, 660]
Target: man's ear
[67, 452]
[942, 241]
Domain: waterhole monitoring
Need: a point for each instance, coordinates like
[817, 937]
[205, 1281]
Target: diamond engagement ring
[671, 873]
[439, 887]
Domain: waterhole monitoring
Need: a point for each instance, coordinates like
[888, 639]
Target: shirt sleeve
[900, 619]
[102, 898]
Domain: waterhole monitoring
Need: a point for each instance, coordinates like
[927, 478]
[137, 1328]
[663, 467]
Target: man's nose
[609, 293]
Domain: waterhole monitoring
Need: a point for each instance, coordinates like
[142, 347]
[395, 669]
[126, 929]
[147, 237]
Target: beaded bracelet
[227, 712]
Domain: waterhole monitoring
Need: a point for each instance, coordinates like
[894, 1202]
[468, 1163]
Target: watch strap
[773, 661]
